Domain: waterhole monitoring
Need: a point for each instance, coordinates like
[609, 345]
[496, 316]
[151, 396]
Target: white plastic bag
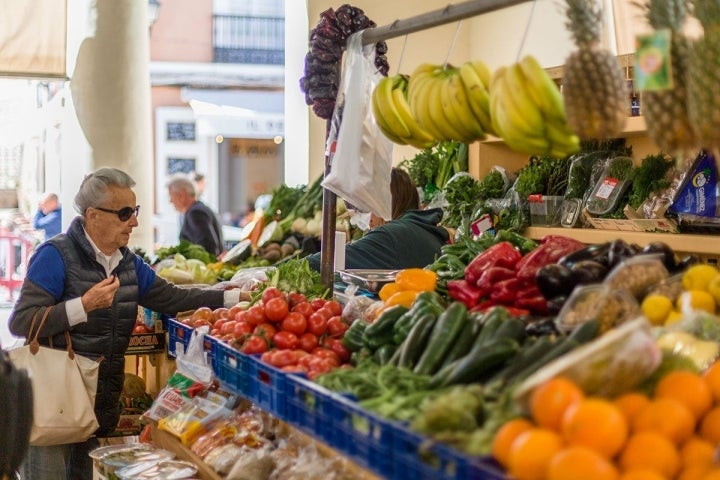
[362, 162]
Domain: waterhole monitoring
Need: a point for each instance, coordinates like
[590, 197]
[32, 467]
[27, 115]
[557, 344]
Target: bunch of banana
[527, 111]
[444, 103]
[394, 116]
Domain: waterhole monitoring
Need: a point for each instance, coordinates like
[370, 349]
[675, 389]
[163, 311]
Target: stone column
[110, 88]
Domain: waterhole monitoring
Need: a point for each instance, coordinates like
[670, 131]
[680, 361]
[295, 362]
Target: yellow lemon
[656, 308]
[699, 276]
[695, 300]
[713, 288]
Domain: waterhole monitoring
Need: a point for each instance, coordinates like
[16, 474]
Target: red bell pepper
[492, 276]
[465, 292]
[502, 254]
[504, 292]
[551, 249]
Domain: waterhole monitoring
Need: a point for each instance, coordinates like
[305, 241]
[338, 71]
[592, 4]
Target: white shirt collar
[109, 262]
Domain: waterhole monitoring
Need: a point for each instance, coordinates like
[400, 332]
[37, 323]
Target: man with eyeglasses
[96, 283]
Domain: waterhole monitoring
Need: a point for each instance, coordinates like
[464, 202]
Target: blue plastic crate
[229, 366]
[177, 332]
[309, 407]
[364, 437]
[266, 386]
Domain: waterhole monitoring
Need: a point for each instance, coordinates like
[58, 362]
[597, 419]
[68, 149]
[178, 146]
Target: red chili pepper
[551, 249]
[505, 291]
[463, 291]
[492, 276]
[502, 254]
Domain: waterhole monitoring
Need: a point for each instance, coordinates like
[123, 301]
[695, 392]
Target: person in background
[200, 225]
[412, 238]
[199, 182]
[48, 217]
[95, 282]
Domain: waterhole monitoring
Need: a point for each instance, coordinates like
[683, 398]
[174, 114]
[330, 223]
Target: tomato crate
[417, 457]
[361, 435]
[309, 407]
[266, 386]
[229, 366]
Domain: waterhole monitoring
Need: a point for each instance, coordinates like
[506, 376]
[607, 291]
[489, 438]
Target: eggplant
[589, 271]
[668, 254]
[555, 279]
[598, 252]
[620, 250]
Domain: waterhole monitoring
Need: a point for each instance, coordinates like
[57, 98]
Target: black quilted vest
[107, 331]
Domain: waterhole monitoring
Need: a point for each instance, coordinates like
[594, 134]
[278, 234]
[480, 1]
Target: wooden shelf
[703, 245]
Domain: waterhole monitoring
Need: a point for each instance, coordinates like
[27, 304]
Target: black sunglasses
[124, 213]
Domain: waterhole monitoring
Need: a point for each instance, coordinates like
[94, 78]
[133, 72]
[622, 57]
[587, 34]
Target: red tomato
[219, 313]
[254, 344]
[270, 293]
[227, 327]
[255, 315]
[284, 339]
[334, 307]
[308, 342]
[304, 309]
[268, 330]
[326, 313]
[242, 329]
[317, 303]
[295, 323]
[295, 298]
[317, 324]
[276, 309]
[323, 352]
[336, 327]
[234, 310]
[337, 346]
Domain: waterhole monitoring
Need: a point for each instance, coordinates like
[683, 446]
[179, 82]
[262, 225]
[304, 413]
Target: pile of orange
[672, 434]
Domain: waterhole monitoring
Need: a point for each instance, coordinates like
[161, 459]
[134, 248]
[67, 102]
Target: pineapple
[666, 111]
[703, 78]
[594, 88]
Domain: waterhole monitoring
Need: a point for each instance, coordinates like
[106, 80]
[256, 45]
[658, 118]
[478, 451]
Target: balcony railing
[244, 39]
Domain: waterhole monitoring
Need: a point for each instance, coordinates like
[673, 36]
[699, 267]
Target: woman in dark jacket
[95, 284]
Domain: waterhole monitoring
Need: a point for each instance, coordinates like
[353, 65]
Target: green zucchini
[480, 361]
[417, 339]
[444, 334]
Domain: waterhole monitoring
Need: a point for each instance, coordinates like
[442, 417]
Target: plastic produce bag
[362, 160]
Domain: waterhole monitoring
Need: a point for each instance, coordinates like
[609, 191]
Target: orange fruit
[505, 436]
[688, 388]
[712, 378]
[631, 403]
[710, 426]
[694, 472]
[531, 452]
[549, 401]
[575, 463]
[596, 424]
[668, 417]
[652, 451]
[696, 451]
[642, 474]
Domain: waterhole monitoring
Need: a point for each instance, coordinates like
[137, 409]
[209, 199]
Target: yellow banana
[386, 105]
[419, 137]
[382, 124]
[457, 109]
[526, 111]
[478, 96]
[542, 88]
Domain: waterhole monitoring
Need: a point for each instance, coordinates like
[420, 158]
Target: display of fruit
[703, 78]
[594, 87]
[527, 111]
[322, 62]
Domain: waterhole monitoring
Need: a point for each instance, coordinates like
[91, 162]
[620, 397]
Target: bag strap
[34, 344]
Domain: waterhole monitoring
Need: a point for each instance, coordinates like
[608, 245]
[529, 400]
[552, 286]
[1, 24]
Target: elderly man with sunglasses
[96, 284]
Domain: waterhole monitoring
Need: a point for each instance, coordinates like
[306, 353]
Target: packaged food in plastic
[588, 302]
[609, 190]
[637, 274]
[610, 365]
